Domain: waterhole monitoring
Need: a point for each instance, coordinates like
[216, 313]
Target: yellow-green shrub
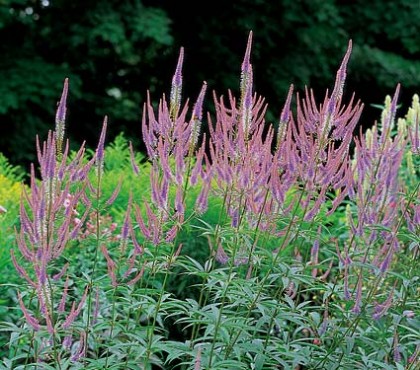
[10, 192]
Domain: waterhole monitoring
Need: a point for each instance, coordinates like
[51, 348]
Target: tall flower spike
[246, 106]
[74, 312]
[101, 144]
[389, 116]
[285, 113]
[380, 309]
[339, 81]
[246, 88]
[246, 65]
[197, 115]
[176, 88]
[413, 118]
[284, 117]
[133, 160]
[32, 321]
[198, 106]
[60, 117]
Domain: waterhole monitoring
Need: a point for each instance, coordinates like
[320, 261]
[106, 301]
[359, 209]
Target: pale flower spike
[390, 120]
[285, 113]
[340, 80]
[101, 144]
[197, 116]
[284, 117]
[32, 321]
[197, 113]
[246, 65]
[60, 117]
[176, 87]
[246, 88]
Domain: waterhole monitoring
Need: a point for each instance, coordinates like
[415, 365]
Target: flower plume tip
[177, 79]
[246, 63]
[61, 110]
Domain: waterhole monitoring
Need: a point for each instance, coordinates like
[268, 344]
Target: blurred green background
[114, 51]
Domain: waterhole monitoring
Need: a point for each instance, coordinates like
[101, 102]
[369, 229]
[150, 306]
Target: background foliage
[114, 51]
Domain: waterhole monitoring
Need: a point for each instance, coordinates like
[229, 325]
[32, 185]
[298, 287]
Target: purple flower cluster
[171, 142]
[47, 218]
[311, 157]
[376, 189]
[304, 169]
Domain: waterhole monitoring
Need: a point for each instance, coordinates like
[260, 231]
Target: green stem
[95, 259]
[112, 323]
[256, 234]
[157, 308]
[203, 297]
[264, 279]
[224, 296]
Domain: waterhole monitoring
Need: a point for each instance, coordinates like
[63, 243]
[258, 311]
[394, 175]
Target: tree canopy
[114, 51]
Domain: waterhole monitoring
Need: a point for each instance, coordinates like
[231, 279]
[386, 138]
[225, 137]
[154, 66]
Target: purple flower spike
[386, 262]
[127, 220]
[61, 273]
[221, 255]
[246, 65]
[20, 270]
[197, 116]
[342, 73]
[80, 349]
[381, 309]
[74, 312]
[246, 88]
[60, 116]
[198, 107]
[339, 81]
[247, 104]
[101, 144]
[201, 204]
[110, 265]
[67, 342]
[357, 308]
[32, 321]
[176, 88]
[177, 78]
[133, 160]
[62, 304]
[285, 113]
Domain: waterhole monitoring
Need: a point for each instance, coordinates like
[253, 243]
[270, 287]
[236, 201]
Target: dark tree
[114, 51]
